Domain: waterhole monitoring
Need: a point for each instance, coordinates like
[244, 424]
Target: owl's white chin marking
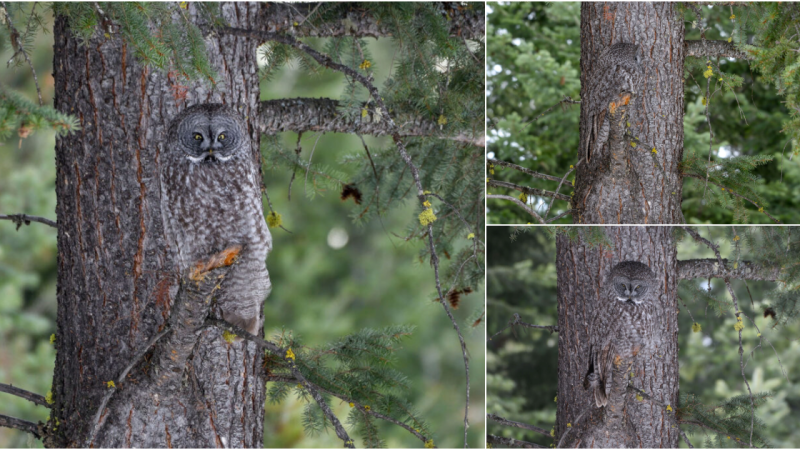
[208, 158]
[628, 300]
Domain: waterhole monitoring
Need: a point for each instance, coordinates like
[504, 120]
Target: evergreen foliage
[433, 77]
[534, 60]
[522, 364]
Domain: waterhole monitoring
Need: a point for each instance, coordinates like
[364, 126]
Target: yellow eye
[221, 137]
[198, 136]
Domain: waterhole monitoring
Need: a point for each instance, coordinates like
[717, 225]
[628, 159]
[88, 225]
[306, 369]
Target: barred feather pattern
[211, 201]
[618, 69]
[623, 324]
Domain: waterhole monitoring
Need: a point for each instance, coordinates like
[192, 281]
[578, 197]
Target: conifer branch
[517, 320]
[19, 424]
[708, 427]
[511, 423]
[528, 190]
[760, 209]
[522, 169]
[713, 49]
[25, 219]
[288, 356]
[567, 99]
[520, 204]
[326, 61]
[726, 278]
[323, 114]
[356, 20]
[560, 183]
[355, 404]
[15, 36]
[510, 442]
[29, 396]
[709, 268]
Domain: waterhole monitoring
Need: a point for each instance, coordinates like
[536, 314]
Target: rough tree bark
[114, 267]
[653, 195]
[582, 270]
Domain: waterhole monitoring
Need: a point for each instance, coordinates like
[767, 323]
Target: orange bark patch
[626, 99]
[617, 361]
[221, 259]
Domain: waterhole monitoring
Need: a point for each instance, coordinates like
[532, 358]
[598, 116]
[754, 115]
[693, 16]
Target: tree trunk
[582, 269]
[649, 189]
[115, 271]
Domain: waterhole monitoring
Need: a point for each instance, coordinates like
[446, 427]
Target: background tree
[713, 402]
[534, 83]
[123, 70]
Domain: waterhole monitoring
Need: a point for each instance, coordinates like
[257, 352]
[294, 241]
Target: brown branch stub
[24, 219]
[709, 268]
[29, 396]
[19, 424]
[511, 423]
[714, 49]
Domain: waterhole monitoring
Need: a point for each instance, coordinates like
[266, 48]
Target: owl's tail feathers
[600, 398]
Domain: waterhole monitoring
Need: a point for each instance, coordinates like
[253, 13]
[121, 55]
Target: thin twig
[326, 61]
[19, 424]
[13, 31]
[761, 210]
[511, 423]
[518, 202]
[567, 99]
[528, 190]
[522, 169]
[287, 356]
[715, 248]
[567, 212]
[305, 185]
[29, 396]
[670, 414]
[517, 320]
[21, 219]
[571, 169]
[577, 421]
[356, 404]
[99, 418]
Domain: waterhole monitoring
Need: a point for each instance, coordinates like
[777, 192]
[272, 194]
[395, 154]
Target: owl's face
[630, 290]
[207, 137]
[630, 281]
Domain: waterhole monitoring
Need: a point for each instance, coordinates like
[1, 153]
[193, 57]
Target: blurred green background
[522, 368]
[330, 277]
[533, 61]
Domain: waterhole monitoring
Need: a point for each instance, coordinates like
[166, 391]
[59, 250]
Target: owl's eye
[637, 287]
[221, 137]
[198, 137]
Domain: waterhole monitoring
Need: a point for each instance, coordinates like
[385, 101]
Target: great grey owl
[211, 200]
[618, 69]
[622, 325]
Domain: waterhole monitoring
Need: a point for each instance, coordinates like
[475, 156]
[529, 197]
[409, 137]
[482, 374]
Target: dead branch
[29, 396]
[511, 423]
[25, 219]
[19, 424]
[709, 268]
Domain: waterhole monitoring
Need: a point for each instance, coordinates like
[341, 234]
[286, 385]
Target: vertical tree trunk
[653, 194]
[114, 269]
[582, 270]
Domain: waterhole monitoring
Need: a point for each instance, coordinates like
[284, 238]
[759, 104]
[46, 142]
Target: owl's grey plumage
[211, 200]
[623, 323]
[618, 69]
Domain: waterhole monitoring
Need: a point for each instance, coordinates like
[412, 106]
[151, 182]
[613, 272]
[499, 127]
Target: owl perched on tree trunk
[623, 324]
[211, 201]
[618, 69]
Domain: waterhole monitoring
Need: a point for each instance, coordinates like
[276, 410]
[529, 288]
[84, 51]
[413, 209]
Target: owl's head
[630, 281]
[210, 133]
